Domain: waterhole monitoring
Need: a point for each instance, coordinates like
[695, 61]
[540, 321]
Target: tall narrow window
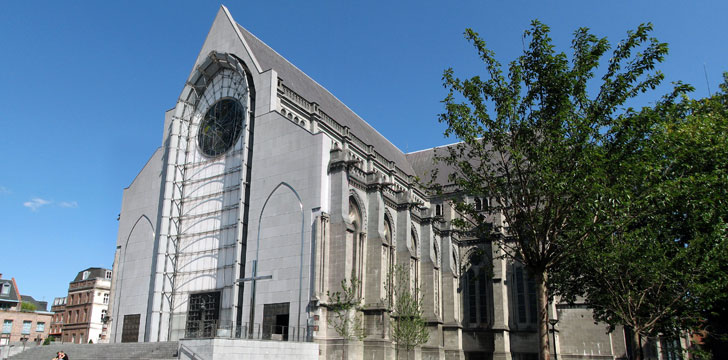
[476, 289]
[414, 264]
[389, 257]
[7, 326]
[355, 218]
[526, 305]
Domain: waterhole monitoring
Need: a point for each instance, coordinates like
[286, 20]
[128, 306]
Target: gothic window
[526, 308]
[389, 258]
[438, 210]
[414, 264]
[478, 204]
[477, 288]
[355, 218]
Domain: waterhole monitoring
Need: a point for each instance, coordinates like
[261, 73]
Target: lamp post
[553, 323]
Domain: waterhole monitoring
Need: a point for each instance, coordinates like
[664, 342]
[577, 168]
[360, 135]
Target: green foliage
[27, 306]
[342, 308]
[536, 142]
[409, 328]
[663, 261]
[47, 341]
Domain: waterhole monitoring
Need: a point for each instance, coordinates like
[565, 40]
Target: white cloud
[36, 203]
[68, 204]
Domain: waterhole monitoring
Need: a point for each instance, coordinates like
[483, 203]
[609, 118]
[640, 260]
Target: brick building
[58, 308]
[19, 325]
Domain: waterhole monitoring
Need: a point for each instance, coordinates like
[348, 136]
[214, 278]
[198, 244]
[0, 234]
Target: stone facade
[219, 241]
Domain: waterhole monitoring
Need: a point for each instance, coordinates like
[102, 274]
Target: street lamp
[553, 323]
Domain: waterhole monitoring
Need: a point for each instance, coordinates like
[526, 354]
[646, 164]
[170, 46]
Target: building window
[438, 210]
[106, 298]
[7, 326]
[478, 204]
[6, 289]
[26, 327]
[103, 316]
[526, 308]
[477, 284]
[389, 259]
[40, 327]
[85, 275]
[108, 274]
[414, 264]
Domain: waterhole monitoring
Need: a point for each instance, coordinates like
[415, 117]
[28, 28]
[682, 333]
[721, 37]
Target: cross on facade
[253, 279]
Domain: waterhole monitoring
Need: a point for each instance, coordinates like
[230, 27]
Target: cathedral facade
[267, 192]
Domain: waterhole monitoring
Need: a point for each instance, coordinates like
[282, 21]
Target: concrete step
[126, 351]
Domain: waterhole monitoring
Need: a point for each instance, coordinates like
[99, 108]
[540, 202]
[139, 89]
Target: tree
[342, 311]
[28, 306]
[409, 328]
[666, 263]
[534, 142]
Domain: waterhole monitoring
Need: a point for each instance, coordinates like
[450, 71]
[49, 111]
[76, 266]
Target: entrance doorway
[275, 321]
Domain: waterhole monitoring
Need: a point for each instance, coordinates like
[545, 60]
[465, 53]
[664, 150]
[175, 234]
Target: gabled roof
[302, 84]
[13, 295]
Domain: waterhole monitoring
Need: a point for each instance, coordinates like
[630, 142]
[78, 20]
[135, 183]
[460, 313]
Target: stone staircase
[126, 351]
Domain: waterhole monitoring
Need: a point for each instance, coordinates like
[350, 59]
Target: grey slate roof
[302, 84]
[94, 273]
[13, 295]
[424, 164]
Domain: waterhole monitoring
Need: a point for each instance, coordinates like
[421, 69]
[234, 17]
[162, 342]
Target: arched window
[414, 263]
[354, 214]
[477, 291]
[478, 204]
[525, 294]
[355, 218]
[389, 259]
[438, 210]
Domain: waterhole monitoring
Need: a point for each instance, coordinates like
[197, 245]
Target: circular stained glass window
[221, 127]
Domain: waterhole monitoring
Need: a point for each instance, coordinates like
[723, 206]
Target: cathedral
[267, 192]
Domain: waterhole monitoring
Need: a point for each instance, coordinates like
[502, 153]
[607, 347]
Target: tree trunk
[637, 348]
[543, 318]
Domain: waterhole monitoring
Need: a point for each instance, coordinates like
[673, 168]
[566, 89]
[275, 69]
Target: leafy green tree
[534, 141]
[665, 262]
[409, 328]
[28, 306]
[342, 311]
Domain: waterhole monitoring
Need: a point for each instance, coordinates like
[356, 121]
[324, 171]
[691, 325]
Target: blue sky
[84, 86]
